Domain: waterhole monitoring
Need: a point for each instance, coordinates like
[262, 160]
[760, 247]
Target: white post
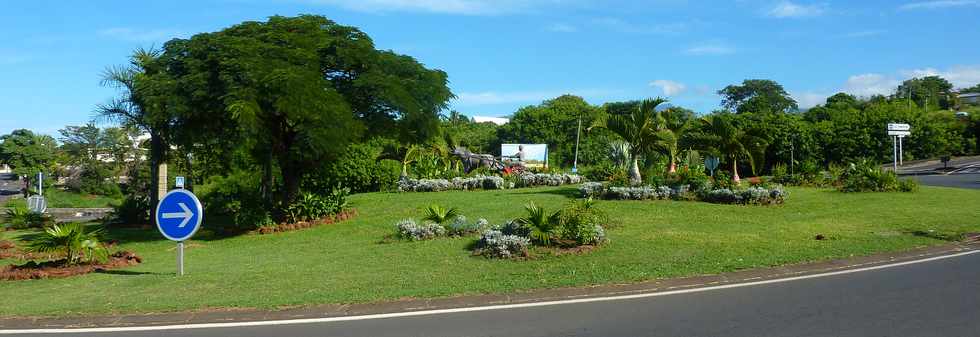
[901, 155]
[577, 135]
[39, 185]
[180, 258]
[895, 153]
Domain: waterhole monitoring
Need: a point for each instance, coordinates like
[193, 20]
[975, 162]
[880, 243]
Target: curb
[548, 295]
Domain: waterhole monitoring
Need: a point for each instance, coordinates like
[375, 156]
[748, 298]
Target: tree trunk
[635, 177]
[267, 179]
[673, 166]
[735, 177]
[158, 171]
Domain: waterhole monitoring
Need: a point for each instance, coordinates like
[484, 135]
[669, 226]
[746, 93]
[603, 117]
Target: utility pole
[578, 134]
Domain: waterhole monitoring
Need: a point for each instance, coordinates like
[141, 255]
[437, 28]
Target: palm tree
[732, 142]
[542, 225]
[439, 214]
[72, 240]
[132, 109]
[671, 126]
[639, 129]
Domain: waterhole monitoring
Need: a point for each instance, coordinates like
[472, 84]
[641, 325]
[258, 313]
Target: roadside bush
[133, 210]
[866, 176]
[410, 230]
[72, 240]
[496, 244]
[22, 218]
[234, 201]
[94, 178]
[580, 223]
[357, 169]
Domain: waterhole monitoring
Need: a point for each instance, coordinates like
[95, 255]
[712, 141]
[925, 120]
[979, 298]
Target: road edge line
[471, 309]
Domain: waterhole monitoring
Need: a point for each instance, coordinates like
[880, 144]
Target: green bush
[581, 223]
[311, 207]
[21, 218]
[72, 240]
[234, 201]
[95, 178]
[358, 169]
[604, 171]
[867, 176]
[133, 210]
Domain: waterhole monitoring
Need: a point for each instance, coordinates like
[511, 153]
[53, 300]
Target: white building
[970, 98]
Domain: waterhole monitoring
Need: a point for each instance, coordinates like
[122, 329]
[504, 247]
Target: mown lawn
[345, 263]
[57, 198]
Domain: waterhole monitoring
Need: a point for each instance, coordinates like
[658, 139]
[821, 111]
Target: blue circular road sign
[179, 215]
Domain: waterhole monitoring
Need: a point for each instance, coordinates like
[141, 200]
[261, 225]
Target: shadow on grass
[944, 236]
[568, 192]
[125, 272]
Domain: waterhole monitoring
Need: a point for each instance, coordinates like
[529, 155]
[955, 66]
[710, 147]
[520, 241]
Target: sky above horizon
[504, 54]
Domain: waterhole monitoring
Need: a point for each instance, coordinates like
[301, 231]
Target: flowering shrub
[408, 229]
[496, 244]
[459, 226]
[488, 182]
[756, 195]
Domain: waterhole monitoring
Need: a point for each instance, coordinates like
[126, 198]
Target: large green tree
[555, 122]
[757, 96]
[28, 153]
[929, 90]
[297, 91]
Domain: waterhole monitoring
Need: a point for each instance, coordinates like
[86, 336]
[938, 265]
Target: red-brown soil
[57, 269]
[308, 224]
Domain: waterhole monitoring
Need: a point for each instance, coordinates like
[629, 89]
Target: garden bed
[489, 182]
[344, 215]
[58, 269]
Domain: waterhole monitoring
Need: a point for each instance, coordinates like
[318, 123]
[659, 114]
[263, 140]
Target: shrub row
[411, 230]
[487, 182]
[751, 195]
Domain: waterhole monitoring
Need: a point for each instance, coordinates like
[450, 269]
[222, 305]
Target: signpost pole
[39, 184]
[180, 258]
[895, 154]
[901, 155]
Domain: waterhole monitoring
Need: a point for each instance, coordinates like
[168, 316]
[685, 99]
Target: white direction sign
[899, 127]
[899, 133]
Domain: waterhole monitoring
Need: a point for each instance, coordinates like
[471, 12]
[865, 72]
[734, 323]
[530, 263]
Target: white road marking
[971, 166]
[469, 309]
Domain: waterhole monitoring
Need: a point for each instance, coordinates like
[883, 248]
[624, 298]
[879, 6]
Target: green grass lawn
[345, 263]
[58, 198]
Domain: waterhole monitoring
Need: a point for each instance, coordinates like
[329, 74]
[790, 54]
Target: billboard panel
[534, 155]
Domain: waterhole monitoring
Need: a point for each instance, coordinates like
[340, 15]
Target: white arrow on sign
[186, 215]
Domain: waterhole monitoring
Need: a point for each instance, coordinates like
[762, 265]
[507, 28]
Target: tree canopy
[755, 95]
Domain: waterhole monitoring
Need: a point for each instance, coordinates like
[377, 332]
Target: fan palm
[732, 142]
[439, 214]
[640, 129]
[542, 225]
[72, 240]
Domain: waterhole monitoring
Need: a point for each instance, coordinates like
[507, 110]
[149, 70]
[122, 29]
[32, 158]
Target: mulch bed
[57, 269]
[308, 224]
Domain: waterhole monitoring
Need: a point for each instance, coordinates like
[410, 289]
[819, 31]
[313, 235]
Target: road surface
[935, 298]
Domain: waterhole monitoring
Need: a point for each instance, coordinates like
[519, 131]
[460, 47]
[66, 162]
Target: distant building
[970, 98]
[4, 168]
[494, 120]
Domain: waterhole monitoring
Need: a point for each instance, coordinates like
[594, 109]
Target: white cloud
[465, 7]
[809, 99]
[865, 85]
[670, 88]
[959, 76]
[141, 35]
[710, 48]
[788, 9]
[939, 4]
[562, 28]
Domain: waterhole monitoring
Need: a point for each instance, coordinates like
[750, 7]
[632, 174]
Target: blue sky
[503, 54]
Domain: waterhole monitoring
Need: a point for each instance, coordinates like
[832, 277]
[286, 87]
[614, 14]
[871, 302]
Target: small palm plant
[439, 214]
[72, 240]
[543, 226]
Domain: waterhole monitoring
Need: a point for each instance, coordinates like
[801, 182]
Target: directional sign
[179, 182]
[899, 133]
[37, 204]
[899, 127]
[179, 215]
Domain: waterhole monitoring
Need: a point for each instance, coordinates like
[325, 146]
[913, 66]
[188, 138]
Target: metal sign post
[898, 131]
[179, 215]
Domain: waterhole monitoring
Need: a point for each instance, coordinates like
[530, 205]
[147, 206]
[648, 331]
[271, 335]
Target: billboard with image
[534, 155]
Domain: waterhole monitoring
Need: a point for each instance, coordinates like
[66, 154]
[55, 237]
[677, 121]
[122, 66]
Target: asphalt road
[936, 298]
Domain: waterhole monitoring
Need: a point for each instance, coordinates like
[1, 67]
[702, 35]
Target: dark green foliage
[440, 215]
[360, 169]
[72, 240]
[867, 176]
[134, 210]
[556, 122]
[235, 201]
[94, 178]
[757, 96]
[21, 218]
[582, 223]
